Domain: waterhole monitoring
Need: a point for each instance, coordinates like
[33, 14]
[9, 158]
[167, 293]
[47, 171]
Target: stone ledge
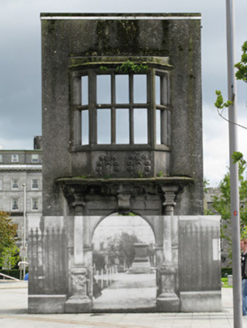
[38, 304]
[201, 301]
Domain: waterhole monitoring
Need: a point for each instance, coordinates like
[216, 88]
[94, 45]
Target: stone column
[167, 300]
[79, 301]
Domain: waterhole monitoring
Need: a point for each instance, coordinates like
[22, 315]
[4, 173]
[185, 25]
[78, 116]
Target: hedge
[15, 273]
[226, 272]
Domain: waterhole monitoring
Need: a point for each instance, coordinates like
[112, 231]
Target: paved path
[129, 293]
[13, 314]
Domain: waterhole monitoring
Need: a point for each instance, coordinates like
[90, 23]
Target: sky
[20, 68]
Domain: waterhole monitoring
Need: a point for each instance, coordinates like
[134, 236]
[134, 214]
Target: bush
[15, 273]
[226, 271]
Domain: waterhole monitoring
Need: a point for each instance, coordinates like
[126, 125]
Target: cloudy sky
[20, 68]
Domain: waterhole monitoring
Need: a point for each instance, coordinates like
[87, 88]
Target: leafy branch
[241, 74]
[130, 66]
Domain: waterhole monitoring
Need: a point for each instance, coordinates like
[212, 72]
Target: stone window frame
[35, 204]
[34, 158]
[14, 204]
[77, 108]
[14, 184]
[15, 158]
[33, 183]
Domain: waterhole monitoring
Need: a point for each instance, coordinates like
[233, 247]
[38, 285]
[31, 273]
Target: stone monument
[122, 132]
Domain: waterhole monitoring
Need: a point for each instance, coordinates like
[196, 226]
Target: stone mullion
[76, 101]
[92, 87]
[113, 109]
[131, 110]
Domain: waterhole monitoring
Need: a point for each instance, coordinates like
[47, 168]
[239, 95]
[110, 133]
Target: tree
[122, 248]
[222, 203]
[241, 74]
[7, 239]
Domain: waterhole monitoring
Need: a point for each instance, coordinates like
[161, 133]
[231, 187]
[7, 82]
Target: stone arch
[102, 218]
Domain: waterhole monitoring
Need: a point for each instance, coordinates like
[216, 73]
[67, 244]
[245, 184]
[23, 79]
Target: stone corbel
[170, 193]
[124, 195]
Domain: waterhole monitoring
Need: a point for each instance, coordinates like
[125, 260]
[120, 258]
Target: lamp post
[233, 146]
[24, 250]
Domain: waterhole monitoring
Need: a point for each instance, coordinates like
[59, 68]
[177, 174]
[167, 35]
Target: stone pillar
[79, 301]
[167, 300]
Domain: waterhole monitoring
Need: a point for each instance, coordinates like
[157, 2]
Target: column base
[201, 301]
[168, 303]
[78, 305]
[46, 304]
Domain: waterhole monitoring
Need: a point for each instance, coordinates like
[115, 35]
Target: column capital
[170, 193]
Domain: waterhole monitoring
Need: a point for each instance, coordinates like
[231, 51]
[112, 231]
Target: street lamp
[233, 146]
[24, 249]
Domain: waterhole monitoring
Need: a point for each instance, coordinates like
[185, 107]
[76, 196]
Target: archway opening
[124, 265]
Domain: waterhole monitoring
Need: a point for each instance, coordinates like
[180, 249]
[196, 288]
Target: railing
[5, 276]
[48, 266]
[106, 277]
[199, 257]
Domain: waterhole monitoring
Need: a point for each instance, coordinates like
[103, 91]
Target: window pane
[103, 126]
[35, 184]
[34, 158]
[15, 158]
[157, 90]
[103, 89]
[84, 128]
[84, 90]
[140, 88]
[122, 89]
[15, 205]
[1, 158]
[14, 184]
[122, 126]
[1, 184]
[35, 204]
[140, 126]
[158, 135]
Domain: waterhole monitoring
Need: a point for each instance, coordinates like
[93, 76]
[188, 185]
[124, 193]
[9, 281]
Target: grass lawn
[225, 281]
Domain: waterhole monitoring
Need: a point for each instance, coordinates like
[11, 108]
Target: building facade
[21, 188]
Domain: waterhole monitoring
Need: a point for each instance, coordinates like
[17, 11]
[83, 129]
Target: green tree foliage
[241, 74]
[8, 248]
[222, 203]
[220, 103]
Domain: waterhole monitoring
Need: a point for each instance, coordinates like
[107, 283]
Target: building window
[14, 158]
[115, 108]
[1, 204]
[35, 184]
[163, 114]
[1, 158]
[1, 184]
[35, 204]
[35, 158]
[14, 184]
[15, 204]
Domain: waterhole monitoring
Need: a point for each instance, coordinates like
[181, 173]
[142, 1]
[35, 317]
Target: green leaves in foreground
[220, 101]
[237, 156]
[241, 74]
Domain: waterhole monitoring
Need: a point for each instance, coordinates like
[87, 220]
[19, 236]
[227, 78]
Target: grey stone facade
[89, 172]
[19, 168]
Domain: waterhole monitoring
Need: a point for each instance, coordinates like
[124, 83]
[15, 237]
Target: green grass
[225, 281]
